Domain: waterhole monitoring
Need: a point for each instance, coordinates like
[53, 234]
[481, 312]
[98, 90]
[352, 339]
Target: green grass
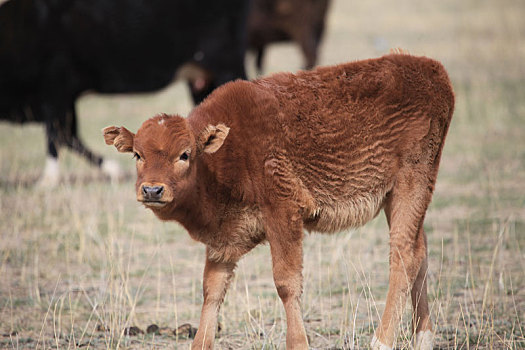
[86, 257]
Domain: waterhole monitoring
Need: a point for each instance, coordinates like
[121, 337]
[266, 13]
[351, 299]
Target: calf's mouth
[155, 204]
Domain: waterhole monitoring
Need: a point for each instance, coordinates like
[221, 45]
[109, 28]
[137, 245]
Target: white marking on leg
[424, 340]
[111, 168]
[377, 345]
[51, 174]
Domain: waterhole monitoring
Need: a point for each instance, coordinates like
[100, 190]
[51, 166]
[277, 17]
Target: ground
[82, 262]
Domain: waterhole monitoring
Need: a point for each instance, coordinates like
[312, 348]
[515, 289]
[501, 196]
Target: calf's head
[166, 152]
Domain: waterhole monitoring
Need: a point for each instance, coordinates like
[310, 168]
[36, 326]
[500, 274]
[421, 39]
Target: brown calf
[323, 151]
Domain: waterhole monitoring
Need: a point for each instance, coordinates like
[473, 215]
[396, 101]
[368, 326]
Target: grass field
[81, 263]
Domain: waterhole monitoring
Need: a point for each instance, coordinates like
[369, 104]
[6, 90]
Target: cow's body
[299, 21]
[323, 151]
[53, 51]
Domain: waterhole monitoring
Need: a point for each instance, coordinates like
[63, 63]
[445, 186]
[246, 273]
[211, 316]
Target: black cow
[53, 50]
[300, 21]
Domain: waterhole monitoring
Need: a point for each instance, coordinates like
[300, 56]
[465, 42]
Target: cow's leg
[72, 140]
[405, 209]
[284, 232]
[309, 43]
[421, 323]
[110, 167]
[259, 57]
[51, 174]
[217, 277]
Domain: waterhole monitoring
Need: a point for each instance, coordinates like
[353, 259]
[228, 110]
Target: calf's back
[333, 140]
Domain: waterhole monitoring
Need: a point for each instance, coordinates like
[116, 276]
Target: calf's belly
[338, 215]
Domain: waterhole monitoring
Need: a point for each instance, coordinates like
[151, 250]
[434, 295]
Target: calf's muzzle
[153, 194]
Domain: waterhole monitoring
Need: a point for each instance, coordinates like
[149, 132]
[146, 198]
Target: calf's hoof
[375, 344]
[424, 340]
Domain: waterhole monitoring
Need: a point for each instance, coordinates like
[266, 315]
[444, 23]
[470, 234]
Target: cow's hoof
[51, 175]
[375, 344]
[112, 169]
[424, 340]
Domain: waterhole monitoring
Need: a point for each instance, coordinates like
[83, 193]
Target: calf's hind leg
[405, 210]
[421, 323]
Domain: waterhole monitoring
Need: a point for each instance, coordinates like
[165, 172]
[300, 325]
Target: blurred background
[82, 262]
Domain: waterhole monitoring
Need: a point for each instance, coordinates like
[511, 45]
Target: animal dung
[186, 331]
[133, 331]
[153, 329]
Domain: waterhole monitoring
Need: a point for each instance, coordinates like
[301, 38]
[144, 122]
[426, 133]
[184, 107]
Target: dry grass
[80, 263]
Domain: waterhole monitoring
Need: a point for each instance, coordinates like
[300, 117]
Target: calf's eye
[184, 156]
[136, 156]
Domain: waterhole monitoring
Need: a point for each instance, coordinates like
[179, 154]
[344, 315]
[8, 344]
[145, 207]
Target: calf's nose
[152, 193]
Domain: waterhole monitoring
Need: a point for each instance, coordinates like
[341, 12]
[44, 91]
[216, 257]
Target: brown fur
[323, 151]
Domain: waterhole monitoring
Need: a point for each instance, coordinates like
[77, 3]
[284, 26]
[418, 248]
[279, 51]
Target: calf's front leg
[285, 235]
[217, 277]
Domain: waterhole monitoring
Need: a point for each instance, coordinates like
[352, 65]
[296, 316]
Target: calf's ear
[212, 138]
[121, 138]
